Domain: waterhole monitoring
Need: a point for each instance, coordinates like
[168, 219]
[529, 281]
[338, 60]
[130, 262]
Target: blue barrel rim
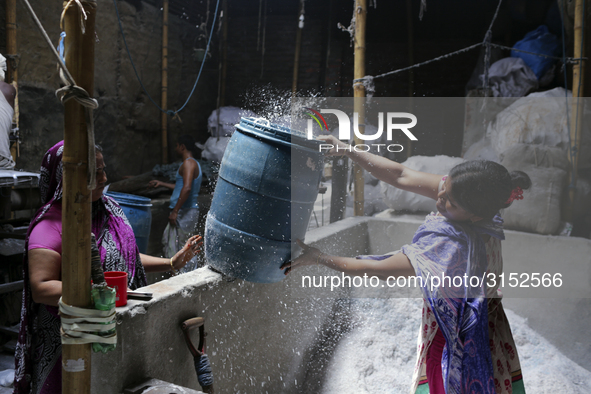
[126, 198]
[262, 128]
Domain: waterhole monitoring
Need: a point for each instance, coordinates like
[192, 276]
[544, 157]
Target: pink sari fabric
[38, 351]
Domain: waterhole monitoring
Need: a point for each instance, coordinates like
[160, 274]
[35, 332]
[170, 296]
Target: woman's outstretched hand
[335, 142]
[309, 256]
[190, 250]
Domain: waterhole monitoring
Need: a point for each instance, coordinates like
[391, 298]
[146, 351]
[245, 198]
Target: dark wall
[259, 71]
[128, 125]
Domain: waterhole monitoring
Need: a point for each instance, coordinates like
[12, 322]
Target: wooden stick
[577, 108]
[164, 117]
[359, 96]
[76, 196]
[12, 64]
[298, 46]
[11, 43]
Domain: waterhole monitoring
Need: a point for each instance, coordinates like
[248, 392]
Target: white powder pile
[379, 353]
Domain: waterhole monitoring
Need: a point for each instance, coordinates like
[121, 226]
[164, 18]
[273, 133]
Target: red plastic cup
[118, 281]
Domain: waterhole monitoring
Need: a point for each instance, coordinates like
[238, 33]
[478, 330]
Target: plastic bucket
[137, 210]
[268, 183]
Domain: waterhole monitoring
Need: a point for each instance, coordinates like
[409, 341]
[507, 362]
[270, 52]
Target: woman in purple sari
[465, 342]
[38, 366]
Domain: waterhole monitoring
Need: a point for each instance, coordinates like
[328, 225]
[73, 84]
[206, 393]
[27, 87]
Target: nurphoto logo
[392, 124]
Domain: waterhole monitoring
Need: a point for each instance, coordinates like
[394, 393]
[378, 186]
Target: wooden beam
[164, 103]
[359, 97]
[576, 108]
[76, 196]
[12, 65]
[298, 47]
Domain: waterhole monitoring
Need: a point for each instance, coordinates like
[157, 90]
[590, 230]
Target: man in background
[184, 213]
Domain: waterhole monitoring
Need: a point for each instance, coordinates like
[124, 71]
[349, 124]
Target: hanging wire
[486, 42]
[419, 64]
[168, 112]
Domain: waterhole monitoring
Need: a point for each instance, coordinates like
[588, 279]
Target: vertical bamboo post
[359, 95]
[11, 47]
[298, 46]
[12, 63]
[222, 64]
[411, 61]
[164, 116]
[224, 54]
[577, 106]
[76, 196]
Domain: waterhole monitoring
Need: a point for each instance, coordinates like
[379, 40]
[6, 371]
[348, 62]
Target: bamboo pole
[76, 196]
[12, 64]
[222, 66]
[11, 44]
[359, 95]
[164, 116]
[298, 46]
[577, 107]
[224, 54]
[411, 61]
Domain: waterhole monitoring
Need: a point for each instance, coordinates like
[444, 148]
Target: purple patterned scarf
[453, 249]
[38, 351]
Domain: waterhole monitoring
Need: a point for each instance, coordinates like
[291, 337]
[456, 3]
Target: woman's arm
[394, 266]
[45, 266]
[179, 260]
[387, 170]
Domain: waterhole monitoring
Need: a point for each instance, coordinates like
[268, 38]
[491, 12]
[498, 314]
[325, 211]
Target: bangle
[174, 271]
[318, 258]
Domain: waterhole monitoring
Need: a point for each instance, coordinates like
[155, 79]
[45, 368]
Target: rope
[83, 16]
[73, 91]
[487, 40]
[419, 64]
[566, 60]
[168, 112]
[203, 368]
[569, 60]
[81, 325]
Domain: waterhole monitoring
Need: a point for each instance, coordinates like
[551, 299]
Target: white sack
[403, 200]
[539, 211]
[539, 118]
[229, 117]
[215, 148]
[482, 150]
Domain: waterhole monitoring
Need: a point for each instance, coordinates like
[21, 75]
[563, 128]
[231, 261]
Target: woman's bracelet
[174, 271]
[318, 258]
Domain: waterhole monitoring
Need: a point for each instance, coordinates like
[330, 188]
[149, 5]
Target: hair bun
[520, 179]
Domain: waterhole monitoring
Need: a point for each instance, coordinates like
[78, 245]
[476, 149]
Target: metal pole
[76, 196]
[359, 96]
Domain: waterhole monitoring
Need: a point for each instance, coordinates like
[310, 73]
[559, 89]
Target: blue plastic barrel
[137, 210]
[267, 185]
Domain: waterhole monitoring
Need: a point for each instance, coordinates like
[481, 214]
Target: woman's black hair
[483, 187]
[189, 143]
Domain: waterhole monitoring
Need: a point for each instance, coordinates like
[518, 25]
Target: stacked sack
[532, 135]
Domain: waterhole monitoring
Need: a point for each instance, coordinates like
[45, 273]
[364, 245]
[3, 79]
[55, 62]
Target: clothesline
[567, 60]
